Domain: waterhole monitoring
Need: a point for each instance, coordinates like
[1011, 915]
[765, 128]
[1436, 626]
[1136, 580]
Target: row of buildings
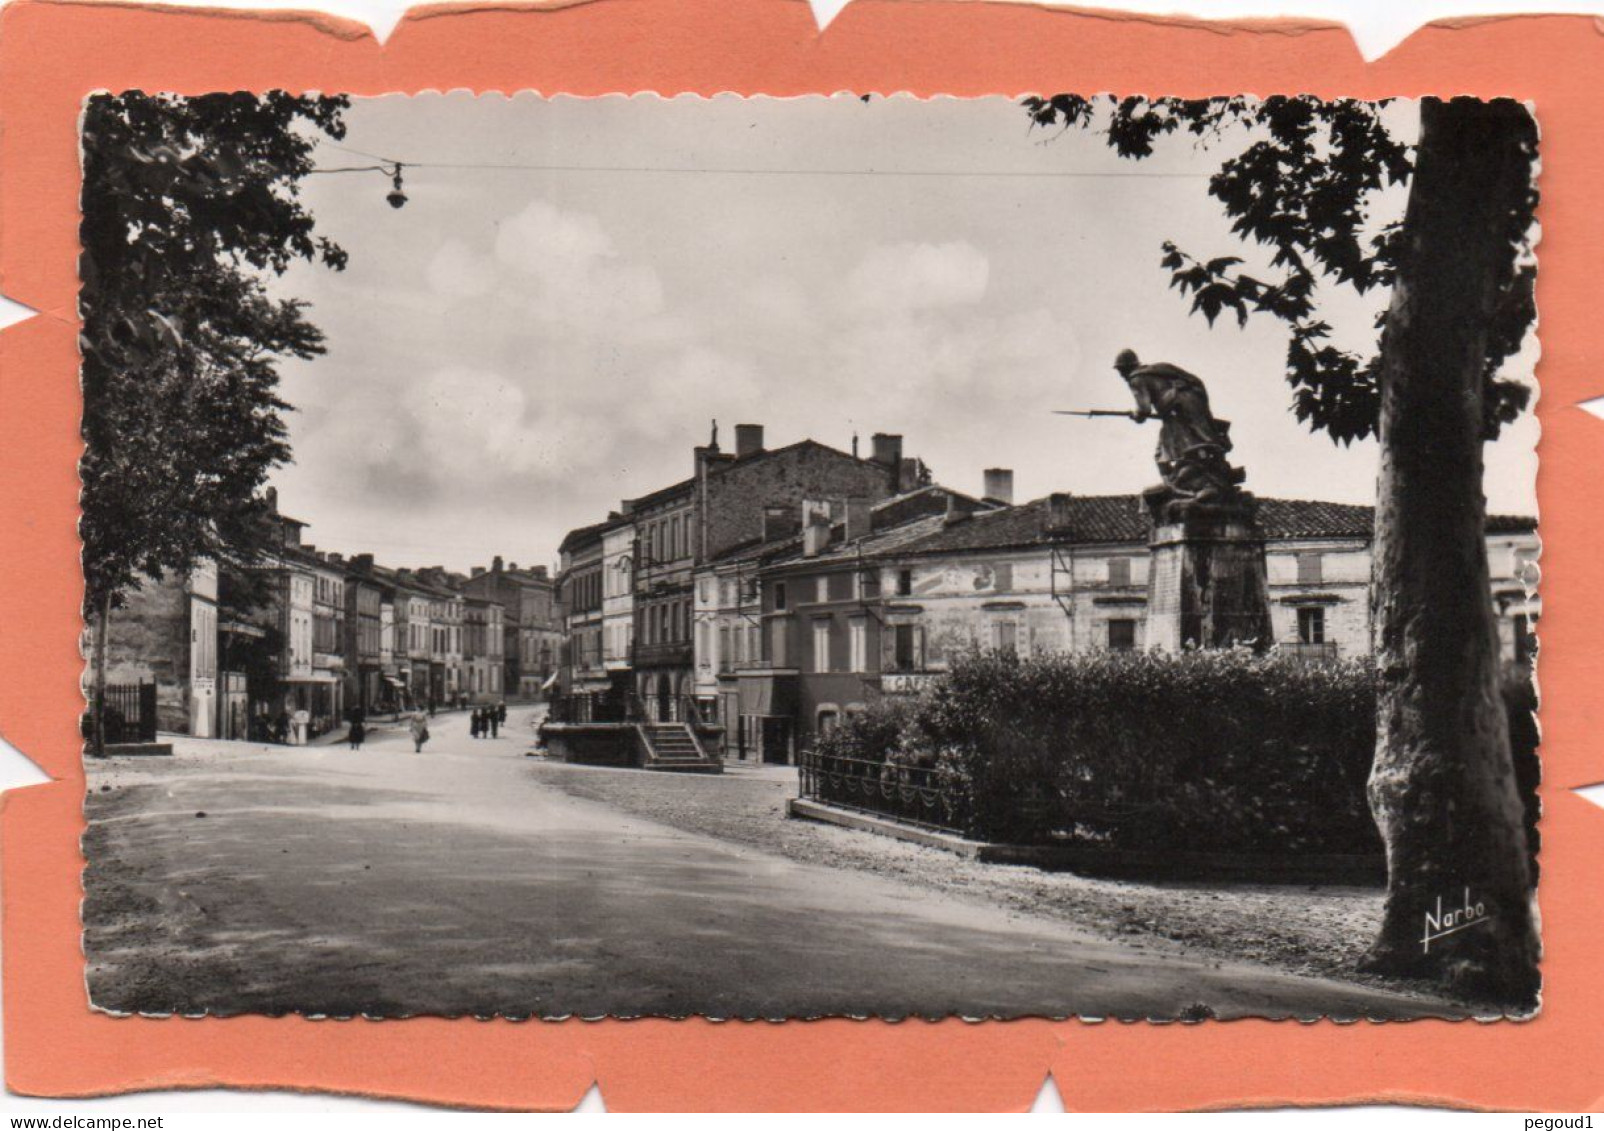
[774, 593]
[320, 634]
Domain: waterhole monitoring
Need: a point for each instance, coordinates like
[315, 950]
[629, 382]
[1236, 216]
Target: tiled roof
[584, 534]
[1097, 519]
[1300, 518]
[1092, 519]
[757, 550]
[890, 541]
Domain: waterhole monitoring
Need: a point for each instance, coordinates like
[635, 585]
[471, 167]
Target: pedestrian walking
[281, 728]
[359, 730]
[493, 718]
[501, 712]
[476, 723]
[420, 731]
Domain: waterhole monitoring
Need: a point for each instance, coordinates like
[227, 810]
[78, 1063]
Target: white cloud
[581, 279]
[917, 276]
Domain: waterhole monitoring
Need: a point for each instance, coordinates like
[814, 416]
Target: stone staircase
[674, 747]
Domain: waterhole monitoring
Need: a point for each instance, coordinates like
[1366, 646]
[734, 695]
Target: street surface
[382, 882]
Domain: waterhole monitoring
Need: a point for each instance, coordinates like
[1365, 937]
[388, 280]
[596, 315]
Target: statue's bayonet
[1126, 413]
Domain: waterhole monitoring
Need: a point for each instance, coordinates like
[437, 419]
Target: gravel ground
[1300, 929]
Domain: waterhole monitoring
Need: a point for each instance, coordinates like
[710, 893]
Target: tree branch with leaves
[1302, 182]
[189, 206]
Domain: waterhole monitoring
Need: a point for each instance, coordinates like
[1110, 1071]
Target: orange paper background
[52, 53]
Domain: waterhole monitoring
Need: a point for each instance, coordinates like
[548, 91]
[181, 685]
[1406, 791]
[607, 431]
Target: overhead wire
[715, 171]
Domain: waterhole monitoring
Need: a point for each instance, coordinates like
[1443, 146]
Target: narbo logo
[1447, 921]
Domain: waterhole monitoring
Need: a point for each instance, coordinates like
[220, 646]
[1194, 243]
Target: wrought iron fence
[593, 707]
[129, 714]
[910, 794]
[1019, 808]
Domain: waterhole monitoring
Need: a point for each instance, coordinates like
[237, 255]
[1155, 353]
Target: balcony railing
[678, 652]
[1323, 651]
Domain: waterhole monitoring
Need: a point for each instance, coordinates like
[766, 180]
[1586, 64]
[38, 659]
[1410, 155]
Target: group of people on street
[486, 721]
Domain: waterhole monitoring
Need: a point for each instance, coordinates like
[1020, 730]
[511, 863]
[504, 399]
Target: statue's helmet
[1127, 361]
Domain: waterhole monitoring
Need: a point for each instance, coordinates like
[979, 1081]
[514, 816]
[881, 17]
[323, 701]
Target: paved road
[332, 882]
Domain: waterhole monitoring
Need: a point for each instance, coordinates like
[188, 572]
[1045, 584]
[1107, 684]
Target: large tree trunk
[98, 707]
[1443, 787]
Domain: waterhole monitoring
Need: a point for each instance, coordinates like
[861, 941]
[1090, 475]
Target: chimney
[362, 561]
[477, 571]
[1058, 511]
[748, 440]
[495, 565]
[513, 566]
[887, 449]
[857, 524]
[1000, 485]
[815, 528]
[955, 514]
[540, 572]
[908, 475]
[272, 499]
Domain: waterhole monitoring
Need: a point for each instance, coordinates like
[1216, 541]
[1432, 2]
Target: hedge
[1211, 751]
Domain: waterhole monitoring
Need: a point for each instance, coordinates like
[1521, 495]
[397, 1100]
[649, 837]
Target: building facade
[483, 650]
[532, 631]
[618, 558]
[850, 619]
[166, 634]
[677, 530]
[580, 586]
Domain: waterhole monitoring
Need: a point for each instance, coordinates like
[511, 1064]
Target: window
[904, 582]
[827, 720]
[726, 656]
[906, 648]
[1311, 626]
[869, 584]
[821, 646]
[858, 637]
[779, 652]
[824, 589]
[1122, 635]
[779, 594]
[1004, 577]
[1309, 569]
[1119, 571]
[1005, 636]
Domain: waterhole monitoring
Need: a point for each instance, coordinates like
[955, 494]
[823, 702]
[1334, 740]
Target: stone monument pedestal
[1206, 584]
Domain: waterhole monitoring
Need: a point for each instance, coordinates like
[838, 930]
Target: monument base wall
[1206, 583]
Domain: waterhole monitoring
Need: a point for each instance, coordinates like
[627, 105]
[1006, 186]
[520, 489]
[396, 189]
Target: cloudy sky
[576, 288]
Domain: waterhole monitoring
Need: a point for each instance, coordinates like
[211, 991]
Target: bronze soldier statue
[1192, 443]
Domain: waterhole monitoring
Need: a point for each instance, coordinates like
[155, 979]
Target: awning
[551, 682]
[766, 693]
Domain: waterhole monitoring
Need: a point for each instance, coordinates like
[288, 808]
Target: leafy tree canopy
[1304, 189]
[189, 205]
